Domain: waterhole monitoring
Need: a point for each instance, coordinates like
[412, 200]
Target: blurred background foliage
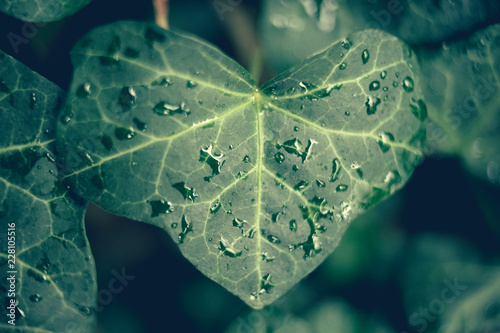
[425, 260]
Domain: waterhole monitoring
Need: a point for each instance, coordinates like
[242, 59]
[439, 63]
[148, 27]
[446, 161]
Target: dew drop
[341, 188]
[187, 192]
[84, 90]
[215, 207]
[40, 277]
[67, 116]
[213, 160]
[301, 185]
[265, 284]
[383, 143]
[186, 227]
[273, 239]
[227, 249]
[342, 66]
[35, 298]
[128, 97]
[106, 141]
[365, 56]
[164, 82]
[266, 257]
[191, 84]
[124, 133]
[418, 108]
[296, 128]
[239, 223]
[279, 157]
[293, 225]
[408, 84]
[320, 183]
[153, 35]
[141, 126]
[346, 44]
[164, 109]
[246, 159]
[375, 85]
[173, 225]
[160, 207]
[335, 169]
[383, 74]
[131, 53]
[371, 104]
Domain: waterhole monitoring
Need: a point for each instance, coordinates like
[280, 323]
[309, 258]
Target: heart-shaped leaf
[53, 269]
[41, 10]
[256, 186]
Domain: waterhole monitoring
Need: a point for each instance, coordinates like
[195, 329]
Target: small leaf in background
[479, 312]
[462, 95]
[440, 276]
[41, 10]
[256, 186]
[55, 279]
[431, 21]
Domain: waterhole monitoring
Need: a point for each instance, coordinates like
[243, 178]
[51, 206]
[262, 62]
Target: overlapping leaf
[41, 10]
[464, 101]
[256, 186]
[55, 279]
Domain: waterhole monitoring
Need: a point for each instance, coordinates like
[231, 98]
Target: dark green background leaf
[463, 98]
[56, 286]
[41, 10]
[293, 29]
[257, 187]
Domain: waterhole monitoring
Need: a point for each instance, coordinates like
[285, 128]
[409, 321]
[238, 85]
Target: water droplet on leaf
[124, 133]
[374, 85]
[408, 84]
[365, 56]
[160, 207]
[279, 157]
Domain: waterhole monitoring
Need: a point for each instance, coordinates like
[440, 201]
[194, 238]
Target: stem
[243, 33]
[161, 13]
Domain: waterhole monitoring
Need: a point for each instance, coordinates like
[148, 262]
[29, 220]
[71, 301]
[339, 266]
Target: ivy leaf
[478, 312]
[464, 101]
[256, 186]
[431, 21]
[55, 279]
[41, 10]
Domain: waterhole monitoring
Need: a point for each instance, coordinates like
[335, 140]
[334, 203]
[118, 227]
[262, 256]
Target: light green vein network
[55, 274]
[41, 10]
[256, 185]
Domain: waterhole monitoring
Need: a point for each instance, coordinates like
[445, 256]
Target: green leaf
[431, 21]
[256, 186]
[479, 312]
[443, 278]
[55, 279]
[41, 10]
[463, 98]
